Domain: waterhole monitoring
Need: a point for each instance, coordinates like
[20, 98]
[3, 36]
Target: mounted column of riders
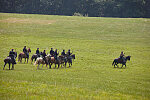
[54, 56]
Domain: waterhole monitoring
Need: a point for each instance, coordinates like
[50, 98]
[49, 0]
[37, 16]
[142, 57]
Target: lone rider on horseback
[122, 56]
[12, 55]
[38, 52]
[52, 52]
[25, 51]
[43, 56]
[56, 54]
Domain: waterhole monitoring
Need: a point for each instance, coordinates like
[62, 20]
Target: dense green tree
[92, 8]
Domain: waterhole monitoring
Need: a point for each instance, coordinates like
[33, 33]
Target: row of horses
[61, 60]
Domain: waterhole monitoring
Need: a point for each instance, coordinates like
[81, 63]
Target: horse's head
[73, 56]
[29, 50]
[128, 58]
[15, 54]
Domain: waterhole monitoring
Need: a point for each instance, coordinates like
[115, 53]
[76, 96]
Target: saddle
[120, 60]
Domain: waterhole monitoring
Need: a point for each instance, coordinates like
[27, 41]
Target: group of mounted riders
[52, 54]
[12, 56]
[53, 58]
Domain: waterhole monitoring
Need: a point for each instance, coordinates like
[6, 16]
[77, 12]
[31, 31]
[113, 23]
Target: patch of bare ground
[28, 21]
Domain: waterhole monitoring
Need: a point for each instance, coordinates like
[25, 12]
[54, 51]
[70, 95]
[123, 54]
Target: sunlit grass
[95, 41]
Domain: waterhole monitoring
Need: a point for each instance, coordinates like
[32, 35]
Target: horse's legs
[58, 66]
[65, 64]
[21, 60]
[42, 66]
[9, 66]
[125, 66]
[12, 66]
[114, 65]
[71, 63]
[122, 65]
[4, 66]
[46, 66]
[31, 60]
[55, 65]
[38, 66]
[117, 66]
[27, 60]
[49, 66]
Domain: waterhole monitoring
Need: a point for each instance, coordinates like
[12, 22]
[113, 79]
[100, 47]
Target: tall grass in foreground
[95, 41]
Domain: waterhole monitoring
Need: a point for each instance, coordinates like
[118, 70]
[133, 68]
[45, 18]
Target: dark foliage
[92, 8]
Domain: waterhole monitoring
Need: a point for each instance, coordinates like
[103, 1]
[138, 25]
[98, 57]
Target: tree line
[91, 8]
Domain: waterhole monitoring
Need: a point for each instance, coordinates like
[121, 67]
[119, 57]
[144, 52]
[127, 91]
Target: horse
[54, 61]
[118, 60]
[40, 60]
[69, 59]
[23, 55]
[62, 60]
[10, 61]
[34, 57]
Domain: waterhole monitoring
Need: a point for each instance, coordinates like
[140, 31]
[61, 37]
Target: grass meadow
[96, 42]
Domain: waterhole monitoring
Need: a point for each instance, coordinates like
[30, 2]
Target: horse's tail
[113, 62]
[32, 58]
[5, 60]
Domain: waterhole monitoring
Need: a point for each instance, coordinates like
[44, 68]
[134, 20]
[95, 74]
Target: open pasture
[96, 43]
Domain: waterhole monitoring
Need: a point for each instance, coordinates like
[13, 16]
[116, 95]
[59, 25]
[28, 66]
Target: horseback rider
[43, 56]
[38, 52]
[122, 56]
[63, 53]
[56, 54]
[25, 51]
[12, 56]
[52, 52]
[69, 53]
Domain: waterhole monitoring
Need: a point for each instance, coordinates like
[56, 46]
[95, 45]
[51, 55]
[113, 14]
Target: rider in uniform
[69, 53]
[122, 56]
[12, 55]
[43, 56]
[25, 51]
[56, 54]
[52, 52]
[38, 52]
[63, 53]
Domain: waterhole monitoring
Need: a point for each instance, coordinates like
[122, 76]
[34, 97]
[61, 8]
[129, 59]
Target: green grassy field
[95, 41]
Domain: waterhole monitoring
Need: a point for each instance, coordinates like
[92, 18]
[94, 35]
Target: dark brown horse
[23, 55]
[118, 60]
[62, 60]
[69, 59]
[10, 61]
[34, 57]
[54, 61]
